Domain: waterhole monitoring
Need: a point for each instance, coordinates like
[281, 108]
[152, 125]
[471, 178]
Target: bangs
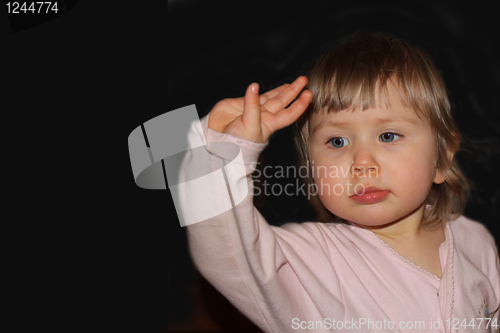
[355, 75]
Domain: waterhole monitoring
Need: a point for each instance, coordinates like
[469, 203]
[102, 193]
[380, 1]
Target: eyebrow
[331, 123]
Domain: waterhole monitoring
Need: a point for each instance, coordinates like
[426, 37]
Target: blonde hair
[354, 73]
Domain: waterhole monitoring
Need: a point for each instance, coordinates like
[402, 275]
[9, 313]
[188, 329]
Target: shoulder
[472, 236]
[465, 227]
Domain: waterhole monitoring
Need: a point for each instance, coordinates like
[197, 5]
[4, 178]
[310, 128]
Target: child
[391, 252]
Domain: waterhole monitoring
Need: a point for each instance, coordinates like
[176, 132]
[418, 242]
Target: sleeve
[236, 250]
[488, 258]
[494, 274]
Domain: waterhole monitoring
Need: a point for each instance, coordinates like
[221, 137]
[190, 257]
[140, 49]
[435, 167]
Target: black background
[76, 87]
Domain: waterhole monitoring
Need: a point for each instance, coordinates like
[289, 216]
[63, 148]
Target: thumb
[251, 109]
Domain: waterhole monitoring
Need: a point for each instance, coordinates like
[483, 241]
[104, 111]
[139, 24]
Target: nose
[364, 162]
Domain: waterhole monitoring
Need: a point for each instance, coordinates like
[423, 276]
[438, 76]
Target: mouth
[370, 195]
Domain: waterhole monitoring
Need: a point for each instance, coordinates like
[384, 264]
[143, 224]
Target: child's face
[389, 149]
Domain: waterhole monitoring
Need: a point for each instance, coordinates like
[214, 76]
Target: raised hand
[255, 117]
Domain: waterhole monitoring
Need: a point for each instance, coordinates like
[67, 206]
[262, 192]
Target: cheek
[413, 174]
[326, 171]
[332, 181]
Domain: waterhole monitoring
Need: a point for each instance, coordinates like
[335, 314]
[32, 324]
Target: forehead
[389, 108]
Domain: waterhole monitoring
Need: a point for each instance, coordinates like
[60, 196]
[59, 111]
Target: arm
[237, 250]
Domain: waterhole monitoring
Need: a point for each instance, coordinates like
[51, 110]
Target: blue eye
[339, 142]
[389, 137]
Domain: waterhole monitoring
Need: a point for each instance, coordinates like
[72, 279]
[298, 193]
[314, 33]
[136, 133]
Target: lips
[371, 195]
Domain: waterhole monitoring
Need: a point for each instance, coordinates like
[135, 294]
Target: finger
[288, 116]
[251, 108]
[286, 96]
[272, 93]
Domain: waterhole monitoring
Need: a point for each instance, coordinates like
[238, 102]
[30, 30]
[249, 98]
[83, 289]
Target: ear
[440, 177]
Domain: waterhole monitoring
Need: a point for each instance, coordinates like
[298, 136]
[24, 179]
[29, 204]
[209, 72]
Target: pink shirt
[324, 277]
